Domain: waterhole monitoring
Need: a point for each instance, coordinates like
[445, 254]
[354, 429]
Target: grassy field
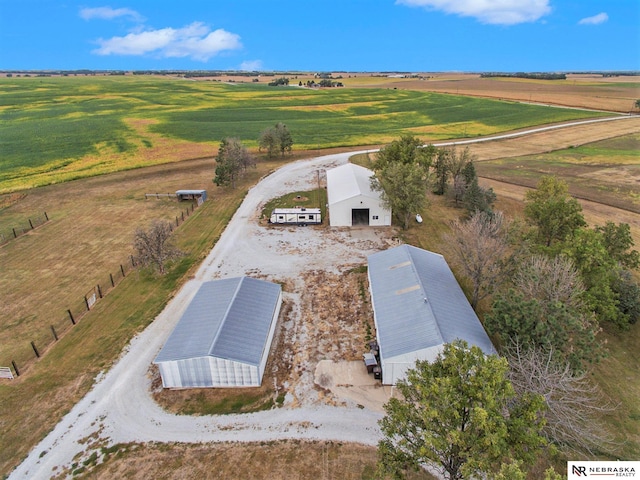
[607, 171]
[90, 232]
[55, 129]
[295, 460]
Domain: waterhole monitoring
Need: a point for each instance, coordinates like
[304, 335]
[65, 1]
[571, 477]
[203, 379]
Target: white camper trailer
[296, 216]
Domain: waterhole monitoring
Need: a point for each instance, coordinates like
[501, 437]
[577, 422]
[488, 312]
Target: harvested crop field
[581, 91]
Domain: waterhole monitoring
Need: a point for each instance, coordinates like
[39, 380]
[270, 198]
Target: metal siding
[224, 335]
[418, 305]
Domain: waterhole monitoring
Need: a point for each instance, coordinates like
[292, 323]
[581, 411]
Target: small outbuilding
[224, 336]
[418, 306]
[198, 195]
[351, 200]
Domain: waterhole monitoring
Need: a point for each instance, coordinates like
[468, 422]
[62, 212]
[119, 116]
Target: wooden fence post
[15, 235]
[133, 261]
[33, 345]
[86, 302]
[15, 367]
[31, 223]
[55, 335]
[99, 291]
[46, 216]
[112, 282]
[73, 320]
[122, 270]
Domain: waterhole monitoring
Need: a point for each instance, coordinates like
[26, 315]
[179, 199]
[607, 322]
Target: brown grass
[268, 460]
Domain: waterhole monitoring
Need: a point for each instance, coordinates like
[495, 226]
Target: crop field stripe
[49, 125]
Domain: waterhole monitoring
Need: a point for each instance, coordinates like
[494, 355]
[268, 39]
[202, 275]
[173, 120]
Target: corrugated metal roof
[228, 319]
[418, 303]
[348, 181]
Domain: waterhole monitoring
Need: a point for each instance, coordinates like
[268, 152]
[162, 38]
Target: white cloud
[195, 41]
[595, 20]
[497, 12]
[251, 65]
[108, 13]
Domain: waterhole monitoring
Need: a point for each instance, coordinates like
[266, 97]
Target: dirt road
[119, 408]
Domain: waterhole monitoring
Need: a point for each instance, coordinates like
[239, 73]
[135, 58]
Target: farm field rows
[579, 90]
[103, 212]
[54, 129]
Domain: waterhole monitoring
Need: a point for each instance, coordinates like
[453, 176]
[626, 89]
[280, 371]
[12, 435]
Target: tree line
[548, 284]
[406, 169]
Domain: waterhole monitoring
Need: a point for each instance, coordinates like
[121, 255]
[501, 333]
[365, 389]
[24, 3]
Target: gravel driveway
[119, 408]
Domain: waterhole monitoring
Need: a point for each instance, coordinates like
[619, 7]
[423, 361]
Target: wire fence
[11, 233]
[44, 338]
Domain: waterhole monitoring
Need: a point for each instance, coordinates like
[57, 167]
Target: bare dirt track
[548, 141]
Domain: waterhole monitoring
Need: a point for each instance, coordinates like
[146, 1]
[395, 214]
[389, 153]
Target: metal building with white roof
[418, 306]
[351, 199]
[224, 336]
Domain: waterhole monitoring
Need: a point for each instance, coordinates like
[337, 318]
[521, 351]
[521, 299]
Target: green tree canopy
[402, 175]
[276, 140]
[408, 149]
[232, 160]
[552, 211]
[403, 189]
[460, 414]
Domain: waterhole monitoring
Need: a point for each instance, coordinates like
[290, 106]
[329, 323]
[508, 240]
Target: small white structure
[418, 307]
[296, 216]
[224, 336]
[351, 199]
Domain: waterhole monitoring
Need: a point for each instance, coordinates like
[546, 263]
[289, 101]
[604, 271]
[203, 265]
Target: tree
[408, 149]
[232, 160]
[276, 139]
[481, 251]
[570, 333]
[153, 247]
[402, 188]
[460, 414]
[442, 170]
[555, 215]
[574, 406]
[402, 175]
[618, 241]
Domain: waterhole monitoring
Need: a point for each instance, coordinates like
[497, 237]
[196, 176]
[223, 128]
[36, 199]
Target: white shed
[351, 199]
[418, 307]
[224, 336]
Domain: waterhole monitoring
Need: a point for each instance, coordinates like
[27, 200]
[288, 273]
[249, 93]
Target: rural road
[119, 407]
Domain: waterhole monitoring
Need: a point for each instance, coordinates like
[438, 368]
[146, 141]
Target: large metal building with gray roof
[418, 307]
[224, 336]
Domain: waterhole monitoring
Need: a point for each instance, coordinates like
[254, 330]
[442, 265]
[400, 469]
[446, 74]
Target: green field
[54, 129]
[606, 171]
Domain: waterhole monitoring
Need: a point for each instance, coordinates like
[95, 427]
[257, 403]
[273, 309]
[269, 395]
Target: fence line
[8, 234]
[43, 339]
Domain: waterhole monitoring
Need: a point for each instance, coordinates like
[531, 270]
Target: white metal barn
[224, 336]
[351, 200]
[418, 307]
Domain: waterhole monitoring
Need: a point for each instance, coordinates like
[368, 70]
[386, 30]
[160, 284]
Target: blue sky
[338, 35]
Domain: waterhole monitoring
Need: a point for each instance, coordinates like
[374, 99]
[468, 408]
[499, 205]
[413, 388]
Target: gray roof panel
[418, 303]
[228, 318]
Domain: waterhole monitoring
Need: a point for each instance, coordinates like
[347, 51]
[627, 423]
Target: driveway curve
[119, 407]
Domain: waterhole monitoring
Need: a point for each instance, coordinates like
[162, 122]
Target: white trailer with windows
[296, 216]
